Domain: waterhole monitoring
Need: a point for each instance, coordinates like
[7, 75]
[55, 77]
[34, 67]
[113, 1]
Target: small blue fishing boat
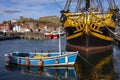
[50, 59]
[42, 59]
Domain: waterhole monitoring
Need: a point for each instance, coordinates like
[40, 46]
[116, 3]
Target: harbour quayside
[49, 59]
[89, 24]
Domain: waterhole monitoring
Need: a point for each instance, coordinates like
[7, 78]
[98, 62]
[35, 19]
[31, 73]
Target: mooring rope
[86, 60]
[57, 4]
[115, 35]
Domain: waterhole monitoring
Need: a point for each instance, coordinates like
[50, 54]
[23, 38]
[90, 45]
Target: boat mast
[67, 5]
[59, 42]
[113, 6]
[100, 6]
[66, 9]
[78, 5]
[87, 4]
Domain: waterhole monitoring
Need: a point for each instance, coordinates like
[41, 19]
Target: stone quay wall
[26, 35]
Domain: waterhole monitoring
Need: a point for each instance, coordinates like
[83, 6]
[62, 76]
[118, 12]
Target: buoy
[7, 60]
[27, 62]
[40, 63]
[56, 61]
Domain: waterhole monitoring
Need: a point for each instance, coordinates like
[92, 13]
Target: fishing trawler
[88, 24]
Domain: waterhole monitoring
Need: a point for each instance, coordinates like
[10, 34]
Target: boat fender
[7, 59]
[27, 61]
[40, 63]
[56, 61]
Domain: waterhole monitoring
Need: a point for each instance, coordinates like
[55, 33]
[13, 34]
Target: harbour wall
[25, 35]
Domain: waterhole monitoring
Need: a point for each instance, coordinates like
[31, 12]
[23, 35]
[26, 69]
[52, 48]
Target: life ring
[27, 62]
[40, 63]
[56, 61]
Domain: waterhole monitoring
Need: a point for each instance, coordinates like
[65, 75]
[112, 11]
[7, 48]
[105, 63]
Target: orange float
[27, 61]
[40, 63]
[56, 61]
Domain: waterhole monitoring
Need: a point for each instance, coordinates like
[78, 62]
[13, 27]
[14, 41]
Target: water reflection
[64, 73]
[95, 67]
[116, 61]
[102, 66]
[40, 71]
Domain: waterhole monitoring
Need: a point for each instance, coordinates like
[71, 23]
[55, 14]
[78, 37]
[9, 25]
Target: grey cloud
[1, 13]
[11, 11]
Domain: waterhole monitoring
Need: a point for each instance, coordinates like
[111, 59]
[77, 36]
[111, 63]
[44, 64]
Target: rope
[115, 6]
[78, 5]
[100, 5]
[54, 1]
[115, 35]
[86, 60]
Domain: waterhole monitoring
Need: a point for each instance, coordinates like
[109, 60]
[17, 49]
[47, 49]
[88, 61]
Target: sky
[13, 9]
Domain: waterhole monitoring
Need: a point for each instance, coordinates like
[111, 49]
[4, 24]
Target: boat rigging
[56, 3]
[89, 23]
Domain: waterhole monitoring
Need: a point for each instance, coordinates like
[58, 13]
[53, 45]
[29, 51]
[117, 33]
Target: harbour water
[105, 66]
